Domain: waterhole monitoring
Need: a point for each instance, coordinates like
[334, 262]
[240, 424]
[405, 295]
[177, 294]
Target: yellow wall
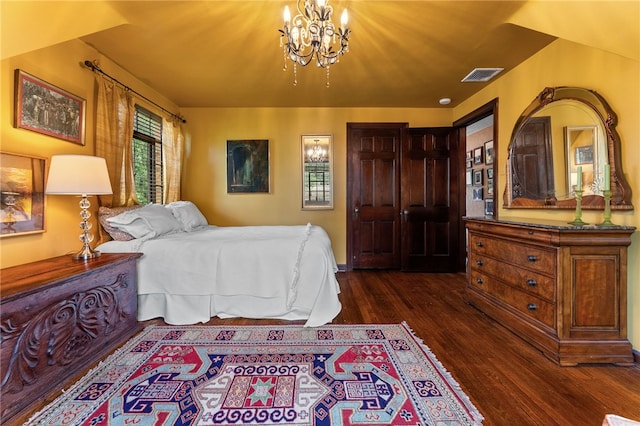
[58, 65]
[205, 167]
[617, 79]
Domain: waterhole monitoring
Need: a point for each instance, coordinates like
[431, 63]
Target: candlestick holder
[607, 209]
[578, 217]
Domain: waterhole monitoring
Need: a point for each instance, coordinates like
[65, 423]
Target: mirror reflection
[317, 172]
[565, 141]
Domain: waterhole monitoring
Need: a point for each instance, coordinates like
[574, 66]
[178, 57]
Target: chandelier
[311, 36]
[317, 154]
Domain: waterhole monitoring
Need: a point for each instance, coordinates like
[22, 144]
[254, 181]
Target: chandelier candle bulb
[607, 177]
[344, 19]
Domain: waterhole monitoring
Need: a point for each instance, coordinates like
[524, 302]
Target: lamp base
[85, 254]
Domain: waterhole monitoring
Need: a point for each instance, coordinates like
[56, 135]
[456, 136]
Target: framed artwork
[584, 154]
[489, 173]
[488, 207]
[469, 164]
[489, 186]
[248, 166]
[469, 156]
[469, 178]
[488, 153]
[477, 155]
[47, 109]
[317, 172]
[22, 194]
[477, 177]
[477, 194]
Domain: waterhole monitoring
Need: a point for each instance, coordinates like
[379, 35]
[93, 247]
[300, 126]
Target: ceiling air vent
[481, 74]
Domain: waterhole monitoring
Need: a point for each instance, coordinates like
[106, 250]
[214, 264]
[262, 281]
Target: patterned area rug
[266, 375]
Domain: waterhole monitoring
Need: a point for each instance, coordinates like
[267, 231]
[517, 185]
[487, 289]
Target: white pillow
[187, 214]
[149, 221]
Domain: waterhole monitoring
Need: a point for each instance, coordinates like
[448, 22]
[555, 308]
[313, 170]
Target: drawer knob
[532, 258]
[479, 281]
[532, 283]
[532, 306]
[479, 262]
[479, 244]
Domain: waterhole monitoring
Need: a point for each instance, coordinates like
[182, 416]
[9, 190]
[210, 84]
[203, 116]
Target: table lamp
[82, 175]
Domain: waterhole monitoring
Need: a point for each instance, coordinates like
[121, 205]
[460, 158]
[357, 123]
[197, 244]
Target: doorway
[403, 197]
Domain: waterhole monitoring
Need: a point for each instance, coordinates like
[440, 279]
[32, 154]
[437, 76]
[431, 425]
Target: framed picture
[469, 156]
[477, 177]
[477, 194]
[469, 164]
[488, 207]
[247, 166]
[22, 194]
[477, 155]
[489, 173]
[469, 178]
[489, 186]
[47, 109]
[317, 172]
[488, 153]
[584, 154]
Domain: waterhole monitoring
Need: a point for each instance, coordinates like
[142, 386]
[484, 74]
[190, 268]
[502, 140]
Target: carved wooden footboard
[57, 318]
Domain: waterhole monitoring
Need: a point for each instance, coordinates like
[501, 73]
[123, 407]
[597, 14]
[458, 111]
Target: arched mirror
[565, 140]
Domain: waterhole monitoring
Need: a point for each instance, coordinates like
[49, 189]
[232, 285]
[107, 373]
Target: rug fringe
[450, 379]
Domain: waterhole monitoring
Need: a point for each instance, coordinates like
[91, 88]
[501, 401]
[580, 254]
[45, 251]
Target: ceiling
[226, 53]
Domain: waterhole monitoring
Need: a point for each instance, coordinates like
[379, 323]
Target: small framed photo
[489, 186]
[247, 166]
[477, 177]
[488, 152]
[584, 154]
[469, 155]
[490, 173]
[47, 109]
[488, 207]
[22, 194]
[469, 164]
[469, 179]
[477, 155]
[477, 194]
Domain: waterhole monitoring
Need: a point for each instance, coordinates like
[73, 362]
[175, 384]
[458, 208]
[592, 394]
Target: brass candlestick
[607, 209]
[578, 218]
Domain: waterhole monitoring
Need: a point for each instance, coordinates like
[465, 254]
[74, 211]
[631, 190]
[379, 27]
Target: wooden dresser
[58, 317]
[561, 288]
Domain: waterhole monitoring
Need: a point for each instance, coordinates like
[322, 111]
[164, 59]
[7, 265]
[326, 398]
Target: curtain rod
[93, 66]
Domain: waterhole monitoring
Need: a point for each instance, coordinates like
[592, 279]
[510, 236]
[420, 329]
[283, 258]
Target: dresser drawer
[532, 282]
[518, 254]
[530, 305]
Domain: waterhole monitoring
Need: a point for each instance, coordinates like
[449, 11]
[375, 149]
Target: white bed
[189, 276]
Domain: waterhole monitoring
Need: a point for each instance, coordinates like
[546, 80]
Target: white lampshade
[78, 175]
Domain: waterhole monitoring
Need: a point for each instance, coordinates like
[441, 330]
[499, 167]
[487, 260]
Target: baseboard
[636, 357]
[342, 267]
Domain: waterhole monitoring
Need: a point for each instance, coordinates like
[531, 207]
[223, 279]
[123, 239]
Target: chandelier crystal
[311, 36]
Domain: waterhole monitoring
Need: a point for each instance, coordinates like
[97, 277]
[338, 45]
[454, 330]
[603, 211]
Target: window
[147, 156]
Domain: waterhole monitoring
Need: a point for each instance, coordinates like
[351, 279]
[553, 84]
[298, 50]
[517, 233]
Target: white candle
[579, 183]
[607, 177]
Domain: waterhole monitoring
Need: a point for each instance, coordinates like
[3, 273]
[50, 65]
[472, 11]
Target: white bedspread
[285, 272]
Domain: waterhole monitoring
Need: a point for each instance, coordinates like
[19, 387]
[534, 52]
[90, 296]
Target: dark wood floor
[509, 382]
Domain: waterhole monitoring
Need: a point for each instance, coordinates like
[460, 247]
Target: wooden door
[430, 226]
[533, 161]
[373, 195]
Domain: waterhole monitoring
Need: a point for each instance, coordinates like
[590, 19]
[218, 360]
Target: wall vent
[481, 74]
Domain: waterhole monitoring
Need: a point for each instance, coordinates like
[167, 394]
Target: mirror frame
[309, 142]
[620, 189]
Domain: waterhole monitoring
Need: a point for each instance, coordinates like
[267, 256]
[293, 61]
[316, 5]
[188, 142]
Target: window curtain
[172, 148]
[114, 134]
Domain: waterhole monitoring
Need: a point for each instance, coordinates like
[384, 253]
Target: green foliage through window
[147, 156]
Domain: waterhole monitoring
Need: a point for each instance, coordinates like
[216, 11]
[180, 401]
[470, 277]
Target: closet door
[373, 195]
[430, 223]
